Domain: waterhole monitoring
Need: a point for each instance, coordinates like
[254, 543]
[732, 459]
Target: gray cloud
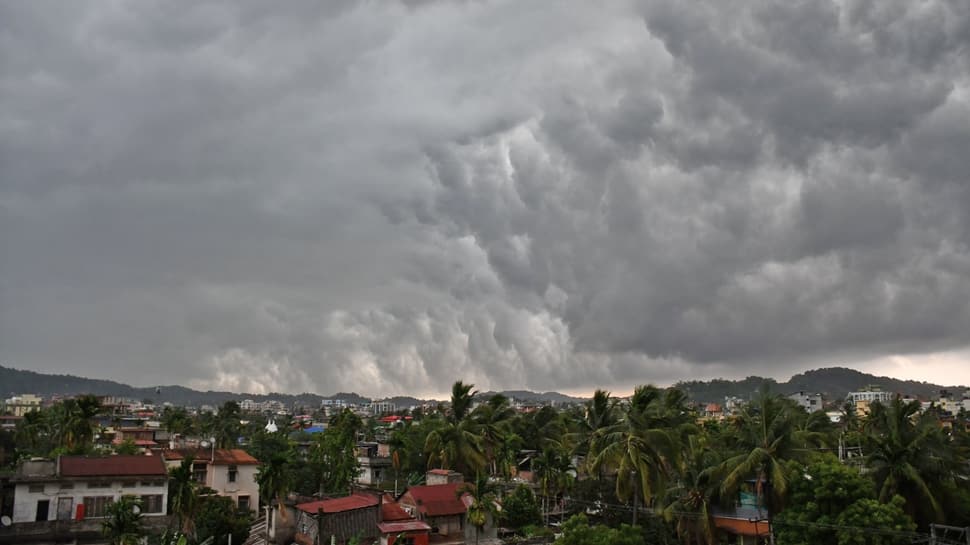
[386, 197]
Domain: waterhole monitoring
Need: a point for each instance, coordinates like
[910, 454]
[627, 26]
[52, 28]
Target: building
[230, 472]
[66, 499]
[375, 463]
[809, 402]
[338, 519]
[22, 404]
[862, 399]
[379, 408]
[439, 505]
[398, 527]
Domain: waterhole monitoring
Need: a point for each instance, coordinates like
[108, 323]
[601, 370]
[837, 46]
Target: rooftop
[337, 505]
[110, 466]
[438, 499]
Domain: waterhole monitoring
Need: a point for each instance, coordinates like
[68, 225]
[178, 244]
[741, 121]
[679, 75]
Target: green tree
[520, 508]
[819, 494]
[484, 502]
[577, 531]
[226, 427]
[334, 454]
[219, 517]
[275, 479]
[908, 455]
[123, 524]
[456, 444]
[492, 420]
[689, 501]
[183, 495]
[641, 447]
[766, 439]
[869, 522]
[127, 446]
[177, 420]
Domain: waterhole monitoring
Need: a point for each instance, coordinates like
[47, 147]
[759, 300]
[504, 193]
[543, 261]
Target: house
[747, 520]
[439, 505]
[400, 528]
[338, 519]
[230, 472]
[22, 404]
[375, 463]
[66, 499]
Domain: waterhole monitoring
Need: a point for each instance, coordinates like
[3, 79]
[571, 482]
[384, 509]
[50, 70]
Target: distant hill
[18, 381]
[833, 383]
[538, 397]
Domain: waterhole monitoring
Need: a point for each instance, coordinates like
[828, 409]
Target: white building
[377, 408]
[22, 404]
[230, 472]
[809, 402]
[864, 398]
[80, 488]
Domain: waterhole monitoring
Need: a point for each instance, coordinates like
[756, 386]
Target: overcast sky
[385, 197]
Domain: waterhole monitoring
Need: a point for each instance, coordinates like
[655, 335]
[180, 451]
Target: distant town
[483, 468]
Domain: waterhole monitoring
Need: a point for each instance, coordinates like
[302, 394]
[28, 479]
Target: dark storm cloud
[386, 197]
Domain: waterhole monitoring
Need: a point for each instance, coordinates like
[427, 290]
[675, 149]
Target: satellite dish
[5, 520]
[204, 444]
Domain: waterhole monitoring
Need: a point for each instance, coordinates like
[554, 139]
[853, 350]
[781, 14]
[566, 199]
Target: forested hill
[833, 383]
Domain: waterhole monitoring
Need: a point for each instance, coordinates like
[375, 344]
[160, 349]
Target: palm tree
[457, 443]
[766, 439]
[641, 447]
[492, 419]
[183, 495]
[555, 473]
[909, 456]
[274, 480]
[690, 500]
[123, 525]
[484, 501]
[462, 397]
[73, 429]
[34, 431]
[599, 414]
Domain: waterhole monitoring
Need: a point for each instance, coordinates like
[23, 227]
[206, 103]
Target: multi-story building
[809, 402]
[863, 399]
[66, 499]
[22, 404]
[230, 472]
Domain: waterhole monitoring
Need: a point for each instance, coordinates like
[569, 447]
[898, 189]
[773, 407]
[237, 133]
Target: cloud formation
[385, 197]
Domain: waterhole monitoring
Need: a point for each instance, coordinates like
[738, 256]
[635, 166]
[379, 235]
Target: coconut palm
[766, 439]
[492, 420]
[457, 444]
[908, 456]
[484, 501]
[599, 413]
[183, 495]
[641, 447]
[555, 474]
[275, 480]
[689, 501]
[123, 524]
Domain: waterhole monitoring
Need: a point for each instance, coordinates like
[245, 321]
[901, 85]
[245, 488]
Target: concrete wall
[25, 501]
[217, 478]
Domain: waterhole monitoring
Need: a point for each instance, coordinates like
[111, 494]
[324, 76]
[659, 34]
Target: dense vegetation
[641, 470]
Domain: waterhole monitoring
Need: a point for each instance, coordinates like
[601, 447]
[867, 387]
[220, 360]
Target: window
[129, 484]
[36, 488]
[232, 473]
[97, 506]
[67, 486]
[198, 472]
[243, 503]
[99, 484]
[151, 503]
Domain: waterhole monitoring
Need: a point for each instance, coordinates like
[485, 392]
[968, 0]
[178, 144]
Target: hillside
[832, 382]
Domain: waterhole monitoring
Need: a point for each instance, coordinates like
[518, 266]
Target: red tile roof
[110, 466]
[338, 505]
[437, 500]
[391, 512]
[407, 526]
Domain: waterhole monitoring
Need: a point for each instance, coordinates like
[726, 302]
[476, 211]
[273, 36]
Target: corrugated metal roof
[337, 505]
[109, 466]
[438, 499]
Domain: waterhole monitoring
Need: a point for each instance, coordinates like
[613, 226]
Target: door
[64, 508]
[43, 506]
